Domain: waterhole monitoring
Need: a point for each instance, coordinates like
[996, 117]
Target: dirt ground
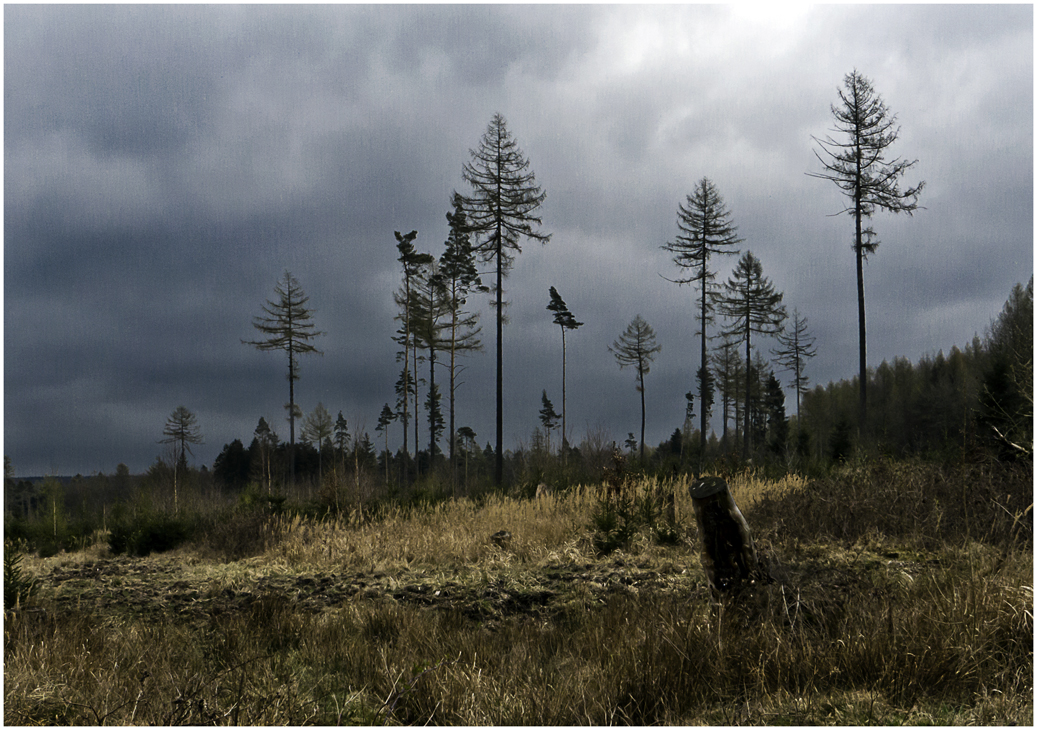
[171, 587]
[181, 587]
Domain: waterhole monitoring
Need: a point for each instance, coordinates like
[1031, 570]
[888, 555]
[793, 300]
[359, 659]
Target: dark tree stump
[726, 546]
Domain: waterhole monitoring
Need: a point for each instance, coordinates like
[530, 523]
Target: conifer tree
[857, 163]
[726, 371]
[460, 279]
[317, 428]
[412, 261]
[501, 209]
[430, 320]
[548, 417]
[753, 306]
[288, 325]
[637, 347]
[341, 438]
[264, 441]
[706, 230]
[566, 321]
[386, 417]
[181, 430]
[797, 345]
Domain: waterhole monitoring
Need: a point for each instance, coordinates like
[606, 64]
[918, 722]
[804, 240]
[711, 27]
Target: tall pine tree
[461, 279]
[288, 326]
[753, 306]
[706, 230]
[566, 321]
[501, 209]
[857, 163]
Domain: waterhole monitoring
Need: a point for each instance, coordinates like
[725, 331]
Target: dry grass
[452, 628]
[457, 533]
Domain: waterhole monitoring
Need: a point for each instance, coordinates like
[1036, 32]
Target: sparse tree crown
[505, 196]
[637, 347]
[705, 226]
[857, 164]
[753, 306]
[182, 428]
[288, 324]
[501, 209]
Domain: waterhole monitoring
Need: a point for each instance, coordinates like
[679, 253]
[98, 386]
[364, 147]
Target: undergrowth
[903, 595]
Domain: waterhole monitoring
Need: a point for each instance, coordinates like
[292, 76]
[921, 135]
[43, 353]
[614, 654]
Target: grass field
[902, 595]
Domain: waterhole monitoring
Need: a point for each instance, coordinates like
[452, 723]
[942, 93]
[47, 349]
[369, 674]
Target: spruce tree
[501, 209]
[706, 230]
[288, 325]
[753, 306]
[857, 163]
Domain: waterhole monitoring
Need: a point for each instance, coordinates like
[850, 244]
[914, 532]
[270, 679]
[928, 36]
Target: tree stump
[726, 546]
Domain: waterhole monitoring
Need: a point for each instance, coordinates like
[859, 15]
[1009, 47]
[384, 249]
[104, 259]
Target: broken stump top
[706, 487]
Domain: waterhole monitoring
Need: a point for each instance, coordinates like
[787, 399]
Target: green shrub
[146, 532]
[239, 533]
[18, 587]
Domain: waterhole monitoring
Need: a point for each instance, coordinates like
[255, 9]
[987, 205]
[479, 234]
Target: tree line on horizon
[438, 326]
[973, 404]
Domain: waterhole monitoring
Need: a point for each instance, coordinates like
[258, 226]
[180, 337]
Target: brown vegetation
[903, 594]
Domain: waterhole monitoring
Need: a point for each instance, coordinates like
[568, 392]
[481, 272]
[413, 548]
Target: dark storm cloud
[164, 165]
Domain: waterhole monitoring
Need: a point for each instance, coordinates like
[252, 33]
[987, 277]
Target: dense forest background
[971, 404]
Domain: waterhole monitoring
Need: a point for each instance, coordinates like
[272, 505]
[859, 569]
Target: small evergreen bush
[146, 532]
[18, 587]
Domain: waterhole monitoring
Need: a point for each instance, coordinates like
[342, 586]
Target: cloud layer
[158, 183]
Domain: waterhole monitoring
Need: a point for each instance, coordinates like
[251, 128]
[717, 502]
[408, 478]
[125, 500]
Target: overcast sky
[164, 165]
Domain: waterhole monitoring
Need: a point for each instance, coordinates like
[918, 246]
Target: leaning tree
[857, 163]
[501, 209]
[288, 326]
[566, 321]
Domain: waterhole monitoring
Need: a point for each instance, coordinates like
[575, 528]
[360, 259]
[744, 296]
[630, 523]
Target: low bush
[143, 532]
[933, 504]
[18, 585]
[238, 533]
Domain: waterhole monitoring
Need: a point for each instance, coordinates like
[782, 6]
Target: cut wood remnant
[728, 552]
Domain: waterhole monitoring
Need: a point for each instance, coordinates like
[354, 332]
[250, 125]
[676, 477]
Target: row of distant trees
[974, 403]
[977, 400]
[489, 223]
[438, 325]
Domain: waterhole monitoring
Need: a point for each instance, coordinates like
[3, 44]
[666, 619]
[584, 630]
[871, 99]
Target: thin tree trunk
[702, 383]
[641, 374]
[858, 213]
[499, 466]
[406, 356]
[417, 410]
[453, 434]
[862, 329]
[748, 374]
[291, 413]
[563, 397]
[431, 389]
